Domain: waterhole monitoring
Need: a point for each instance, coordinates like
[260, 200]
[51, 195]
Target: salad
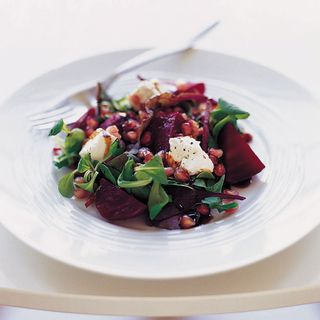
[165, 152]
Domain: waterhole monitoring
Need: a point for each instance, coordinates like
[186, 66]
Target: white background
[39, 35]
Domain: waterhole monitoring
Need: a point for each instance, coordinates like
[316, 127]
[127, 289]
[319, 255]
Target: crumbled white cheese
[98, 144]
[187, 152]
[147, 89]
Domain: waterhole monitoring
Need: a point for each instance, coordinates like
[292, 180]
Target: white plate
[281, 205]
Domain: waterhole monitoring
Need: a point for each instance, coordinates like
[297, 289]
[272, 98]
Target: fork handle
[153, 55]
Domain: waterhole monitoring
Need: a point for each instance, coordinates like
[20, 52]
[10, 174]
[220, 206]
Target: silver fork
[71, 108]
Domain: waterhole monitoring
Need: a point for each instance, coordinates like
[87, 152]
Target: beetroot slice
[114, 203]
[82, 121]
[164, 127]
[240, 161]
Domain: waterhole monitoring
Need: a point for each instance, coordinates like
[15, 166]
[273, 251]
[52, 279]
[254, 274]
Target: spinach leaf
[85, 164]
[108, 174]
[209, 185]
[141, 193]
[219, 125]
[172, 182]
[58, 127]
[212, 202]
[64, 160]
[119, 161]
[205, 175]
[216, 203]
[154, 169]
[73, 141]
[122, 104]
[65, 185]
[158, 198]
[224, 113]
[231, 109]
[127, 179]
[217, 187]
[88, 186]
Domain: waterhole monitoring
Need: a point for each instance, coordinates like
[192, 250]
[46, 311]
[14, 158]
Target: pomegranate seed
[203, 209]
[247, 137]
[148, 157]
[214, 159]
[80, 193]
[56, 151]
[219, 170]
[186, 129]
[215, 152]
[195, 128]
[89, 131]
[186, 222]
[146, 138]
[181, 175]
[130, 125]
[169, 171]
[131, 136]
[79, 180]
[92, 123]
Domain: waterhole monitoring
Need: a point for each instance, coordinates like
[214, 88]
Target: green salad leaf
[122, 104]
[64, 160]
[224, 113]
[108, 174]
[58, 127]
[158, 198]
[85, 164]
[216, 203]
[127, 178]
[154, 169]
[74, 140]
[88, 186]
[65, 184]
[209, 184]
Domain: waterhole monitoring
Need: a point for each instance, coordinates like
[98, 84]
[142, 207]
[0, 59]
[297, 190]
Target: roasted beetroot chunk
[240, 162]
[82, 121]
[164, 127]
[114, 203]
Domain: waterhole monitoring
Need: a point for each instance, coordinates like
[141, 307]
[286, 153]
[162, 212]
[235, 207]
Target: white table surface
[37, 36]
